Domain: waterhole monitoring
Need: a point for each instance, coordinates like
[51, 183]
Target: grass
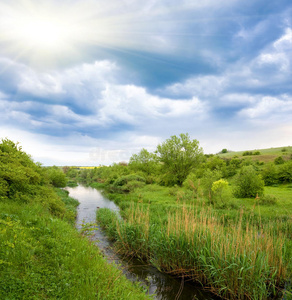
[266, 155]
[240, 250]
[44, 257]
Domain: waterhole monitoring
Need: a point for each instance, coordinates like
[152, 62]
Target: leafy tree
[179, 156]
[285, 172]
[144, 161]
[270, 174]
[209, 177]
[57, 177]
[224, 150]
[248, 183]
[220, 190]
[19, 174]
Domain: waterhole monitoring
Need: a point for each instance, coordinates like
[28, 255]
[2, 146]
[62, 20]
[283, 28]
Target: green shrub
[279, 160]
[256, 153]
[247, 153]
[220, 190]
[268, 200]
[128, 183]
[207, 181]
[270, 174]
[248, 183]
[285, 172]
[56, 176]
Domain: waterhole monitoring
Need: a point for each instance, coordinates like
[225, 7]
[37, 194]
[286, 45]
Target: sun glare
[42, 33]
[46, 33]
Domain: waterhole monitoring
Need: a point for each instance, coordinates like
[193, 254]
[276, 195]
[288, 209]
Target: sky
[91, 82]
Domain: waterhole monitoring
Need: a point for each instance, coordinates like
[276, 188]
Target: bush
[285, 172]
[268, 200]
[279, 160]
[220, 190]
[207, 181]
[128, 183]
[257, 153]
[270, 174]
[248, 183]
[246, 153]
[57, 177]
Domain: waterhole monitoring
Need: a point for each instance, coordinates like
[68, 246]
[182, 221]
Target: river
[162, 286]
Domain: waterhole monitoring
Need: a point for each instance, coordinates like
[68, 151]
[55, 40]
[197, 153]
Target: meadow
[238, 253]
[42, 255]
[222, 222]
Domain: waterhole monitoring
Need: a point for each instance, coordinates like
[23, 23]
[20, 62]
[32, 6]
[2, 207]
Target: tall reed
[235, 261]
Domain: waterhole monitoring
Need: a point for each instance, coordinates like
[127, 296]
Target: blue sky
[91, 82]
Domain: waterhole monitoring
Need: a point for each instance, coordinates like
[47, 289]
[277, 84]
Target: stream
[162, 286]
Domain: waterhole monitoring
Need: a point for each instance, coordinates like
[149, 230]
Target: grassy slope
[44, 257]
[266, 155]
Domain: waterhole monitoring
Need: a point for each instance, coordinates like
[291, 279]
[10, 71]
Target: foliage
[179, 155]
[224, 150]
[285, 172]
[56, 176]
[220, 190]
[128, 183]
[207, 182]
[144, 161]
[247, 153]
[43, 257]
[41, 254]
[236, 263]
[248, 183]
[279, 160]
[270, 174]
[268, 200]
[19, 175]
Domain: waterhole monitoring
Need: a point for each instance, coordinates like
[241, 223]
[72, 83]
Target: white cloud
[270, 108]
[132, 104]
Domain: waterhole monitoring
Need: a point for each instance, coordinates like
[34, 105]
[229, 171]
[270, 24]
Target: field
[266, 155]
[231, 249]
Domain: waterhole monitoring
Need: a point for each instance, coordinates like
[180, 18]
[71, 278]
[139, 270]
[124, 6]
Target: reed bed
[234, 261]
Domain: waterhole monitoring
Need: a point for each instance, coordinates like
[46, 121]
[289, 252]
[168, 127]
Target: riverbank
[42, 255]
[234, 257]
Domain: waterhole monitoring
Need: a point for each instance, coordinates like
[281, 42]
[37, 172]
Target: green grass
[239, 250]
[44, 257]
[266, 155]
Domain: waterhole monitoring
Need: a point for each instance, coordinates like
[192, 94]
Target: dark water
[162, 286]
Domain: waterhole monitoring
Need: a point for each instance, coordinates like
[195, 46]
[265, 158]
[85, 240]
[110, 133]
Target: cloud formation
[221, 72]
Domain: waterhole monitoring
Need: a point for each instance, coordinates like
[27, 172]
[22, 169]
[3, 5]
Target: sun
[49, 32]
[42, 33]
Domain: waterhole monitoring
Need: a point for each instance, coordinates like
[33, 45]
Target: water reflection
[163, 286]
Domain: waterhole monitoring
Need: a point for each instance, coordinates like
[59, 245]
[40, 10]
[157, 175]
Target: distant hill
[264, 155]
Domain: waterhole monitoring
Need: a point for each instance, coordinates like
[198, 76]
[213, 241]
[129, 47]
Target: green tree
[57, 177]
[207, 182]
[248, 183]
[220, 190]
[179, 155]
[270, 174]
[144, 161]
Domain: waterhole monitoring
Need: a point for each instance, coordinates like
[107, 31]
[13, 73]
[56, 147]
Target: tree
[220, 190]
[57, 176]
[248, 183]
[144, 161]
[179, 156]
